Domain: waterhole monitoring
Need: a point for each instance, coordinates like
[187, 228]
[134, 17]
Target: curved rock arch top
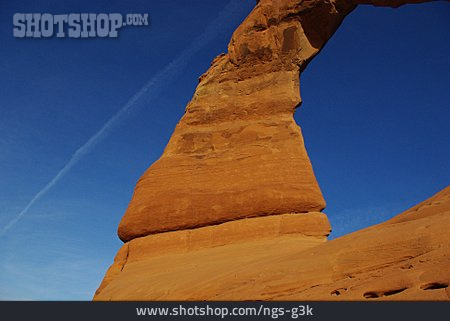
[237, 151]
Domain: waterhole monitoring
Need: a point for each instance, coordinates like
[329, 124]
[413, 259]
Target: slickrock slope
[405, 258]
[231, 210]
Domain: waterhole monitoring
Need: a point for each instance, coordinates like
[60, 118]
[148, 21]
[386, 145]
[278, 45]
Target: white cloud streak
[149, 90]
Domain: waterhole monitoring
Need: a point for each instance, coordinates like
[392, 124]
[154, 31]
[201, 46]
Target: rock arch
[237, 151]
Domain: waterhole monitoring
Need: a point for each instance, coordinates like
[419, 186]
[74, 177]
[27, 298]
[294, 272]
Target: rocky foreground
[405, 258]
[232, 209]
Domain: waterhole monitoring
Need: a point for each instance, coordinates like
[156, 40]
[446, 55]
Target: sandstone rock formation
[235, 176]
[237, 152]
[405, 258]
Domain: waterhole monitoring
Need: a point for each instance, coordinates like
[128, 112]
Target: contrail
[149, 90]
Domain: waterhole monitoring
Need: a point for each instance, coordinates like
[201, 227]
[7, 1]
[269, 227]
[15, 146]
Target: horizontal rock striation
[237, 151]
[208, 220]
[303, 230]
[405, 258]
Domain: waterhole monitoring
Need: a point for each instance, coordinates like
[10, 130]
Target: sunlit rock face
[235, 183]
[285, 257]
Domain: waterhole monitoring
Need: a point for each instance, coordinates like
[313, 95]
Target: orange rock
[406, 259]
[237, 152]
[208, 219]
[304, 229]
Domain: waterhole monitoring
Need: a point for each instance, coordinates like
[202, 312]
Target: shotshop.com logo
[74, 25]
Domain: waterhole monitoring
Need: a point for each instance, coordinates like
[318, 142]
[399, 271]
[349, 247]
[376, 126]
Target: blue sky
[375, 118]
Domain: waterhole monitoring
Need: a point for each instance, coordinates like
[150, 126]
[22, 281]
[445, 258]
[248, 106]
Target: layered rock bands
[231, 210]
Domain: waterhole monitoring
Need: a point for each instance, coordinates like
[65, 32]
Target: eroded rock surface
[295, 230]
[231, 210]
[237, 151]
[405, 258]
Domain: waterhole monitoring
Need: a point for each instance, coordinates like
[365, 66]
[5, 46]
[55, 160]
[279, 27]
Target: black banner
[125, 311]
